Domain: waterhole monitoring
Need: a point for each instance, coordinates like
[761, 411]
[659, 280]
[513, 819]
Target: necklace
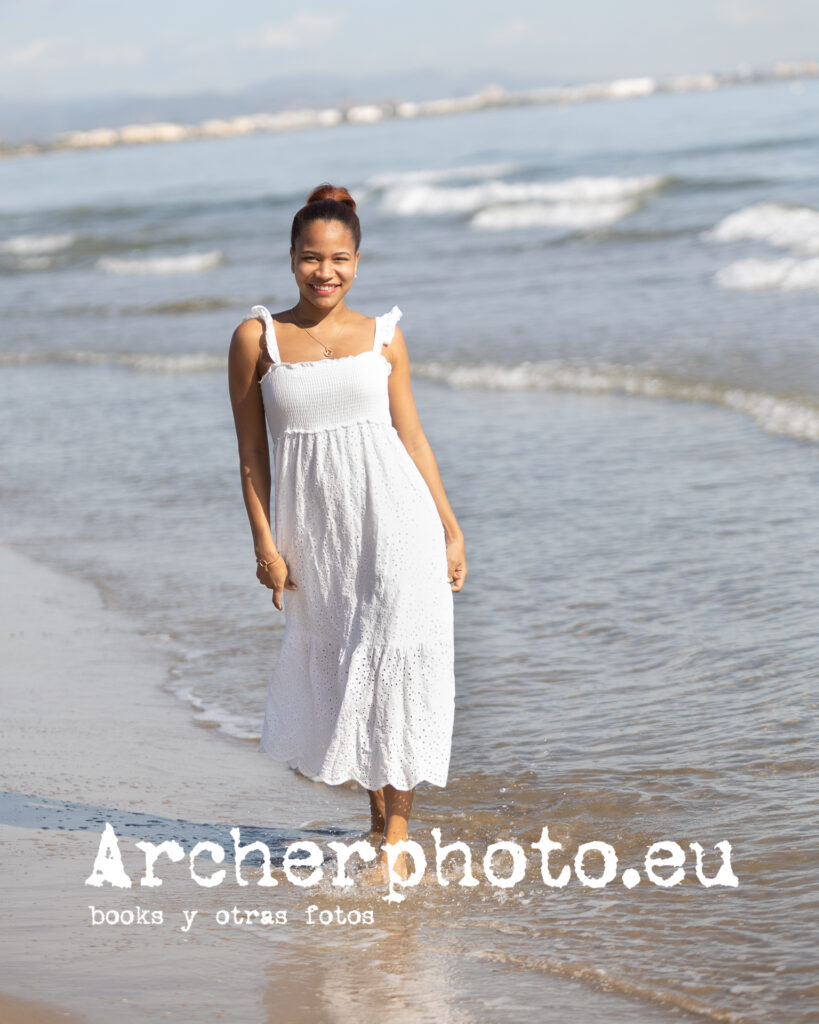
[328, 352]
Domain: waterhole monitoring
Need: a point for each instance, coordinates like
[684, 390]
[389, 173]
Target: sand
[87, 725]
[89, 735]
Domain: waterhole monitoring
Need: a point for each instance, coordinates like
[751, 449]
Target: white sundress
[363, 687]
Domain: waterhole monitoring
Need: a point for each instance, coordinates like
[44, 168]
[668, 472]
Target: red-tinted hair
[328, 202]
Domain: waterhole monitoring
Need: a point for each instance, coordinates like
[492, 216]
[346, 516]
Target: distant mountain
[42, 120]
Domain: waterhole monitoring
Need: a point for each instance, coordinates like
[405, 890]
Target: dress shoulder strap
[269, 331]
[385, 328]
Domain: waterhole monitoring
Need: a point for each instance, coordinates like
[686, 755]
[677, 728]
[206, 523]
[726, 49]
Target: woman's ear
[292, 260]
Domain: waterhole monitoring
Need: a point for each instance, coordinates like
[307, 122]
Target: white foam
[782, 226]
[791, 416]
[36, 245]
[189, 263]
[787, 274]
[152, 362]
[464, 173]
[426, 199]
[578, 216]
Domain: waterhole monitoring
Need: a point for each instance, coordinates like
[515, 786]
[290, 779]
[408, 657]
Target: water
[611, 314]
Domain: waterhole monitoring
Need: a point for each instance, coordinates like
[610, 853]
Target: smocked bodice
[325, 394]
[328, 394]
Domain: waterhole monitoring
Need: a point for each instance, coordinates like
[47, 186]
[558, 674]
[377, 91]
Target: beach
[89, 736]
[610, 311]
[86, 724]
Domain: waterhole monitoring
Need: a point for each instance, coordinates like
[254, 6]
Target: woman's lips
[324, 289]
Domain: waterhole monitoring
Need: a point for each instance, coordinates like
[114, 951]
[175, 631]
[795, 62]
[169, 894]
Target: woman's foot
[379, 873]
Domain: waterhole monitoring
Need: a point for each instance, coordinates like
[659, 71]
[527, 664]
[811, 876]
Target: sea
[611, 310]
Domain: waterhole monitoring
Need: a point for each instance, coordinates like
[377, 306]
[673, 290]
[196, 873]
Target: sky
[97, 48]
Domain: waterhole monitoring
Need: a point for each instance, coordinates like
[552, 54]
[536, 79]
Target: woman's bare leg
[378, 813]
[397, 804]
[397, 807]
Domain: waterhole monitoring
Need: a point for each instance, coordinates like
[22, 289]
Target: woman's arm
[407, 423]
[254, 453]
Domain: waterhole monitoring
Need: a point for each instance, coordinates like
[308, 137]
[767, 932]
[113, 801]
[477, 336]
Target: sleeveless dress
[363, 687]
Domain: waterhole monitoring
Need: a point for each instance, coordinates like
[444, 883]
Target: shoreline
[87, 726]
[115, 726]
[179, 950]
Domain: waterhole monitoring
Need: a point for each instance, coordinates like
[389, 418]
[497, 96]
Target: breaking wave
[156, 362]
[189, 263]
[795, 416]
[781, 226]
[790, 416]
[787, 274]
[424, 199]
[36, 245]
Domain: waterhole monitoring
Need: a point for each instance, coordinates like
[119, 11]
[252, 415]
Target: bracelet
[271, 561]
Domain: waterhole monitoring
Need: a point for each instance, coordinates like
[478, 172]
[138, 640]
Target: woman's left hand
[456, 562]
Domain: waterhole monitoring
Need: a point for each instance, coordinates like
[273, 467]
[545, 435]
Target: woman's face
[324, 262]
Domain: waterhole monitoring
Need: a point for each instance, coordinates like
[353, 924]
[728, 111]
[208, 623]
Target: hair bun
[335, 192]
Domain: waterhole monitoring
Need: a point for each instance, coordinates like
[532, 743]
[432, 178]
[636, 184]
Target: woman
[367, 550]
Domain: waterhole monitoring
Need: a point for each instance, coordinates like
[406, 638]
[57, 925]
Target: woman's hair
[328, 202]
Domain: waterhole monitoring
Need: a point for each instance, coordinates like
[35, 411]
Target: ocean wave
[211, 713]
[795, 416]
[790, 416]
[787, 274]
[36, 245]
[424, 199]
[466, 172]
[155, 362]
[577, 216]
[189, 263]
[782, 226]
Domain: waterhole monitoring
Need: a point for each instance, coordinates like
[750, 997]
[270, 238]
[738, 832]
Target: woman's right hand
[276, 577]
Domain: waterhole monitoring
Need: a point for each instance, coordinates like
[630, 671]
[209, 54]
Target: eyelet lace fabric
[363, 686]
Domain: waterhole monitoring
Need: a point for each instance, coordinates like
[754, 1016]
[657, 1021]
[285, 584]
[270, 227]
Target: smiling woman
[367, 547]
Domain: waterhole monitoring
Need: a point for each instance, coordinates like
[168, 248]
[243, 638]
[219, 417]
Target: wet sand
[86, 725]
[22, 1011]
[89, 736]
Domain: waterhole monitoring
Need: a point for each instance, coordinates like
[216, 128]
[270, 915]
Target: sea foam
[426, 199]
[784, 227]
[781, 226]
[791, 416]
[577, 216]
[151, 362]
[795, 416]
[36, 245]
[787, 274]
[189, 263]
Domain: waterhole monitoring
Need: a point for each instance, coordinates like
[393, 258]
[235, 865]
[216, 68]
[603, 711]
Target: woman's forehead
[329, 234]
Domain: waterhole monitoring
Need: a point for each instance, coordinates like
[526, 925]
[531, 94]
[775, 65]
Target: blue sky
[69, 48]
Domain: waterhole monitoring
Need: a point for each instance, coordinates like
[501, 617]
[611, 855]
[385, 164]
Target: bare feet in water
[378, 873]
